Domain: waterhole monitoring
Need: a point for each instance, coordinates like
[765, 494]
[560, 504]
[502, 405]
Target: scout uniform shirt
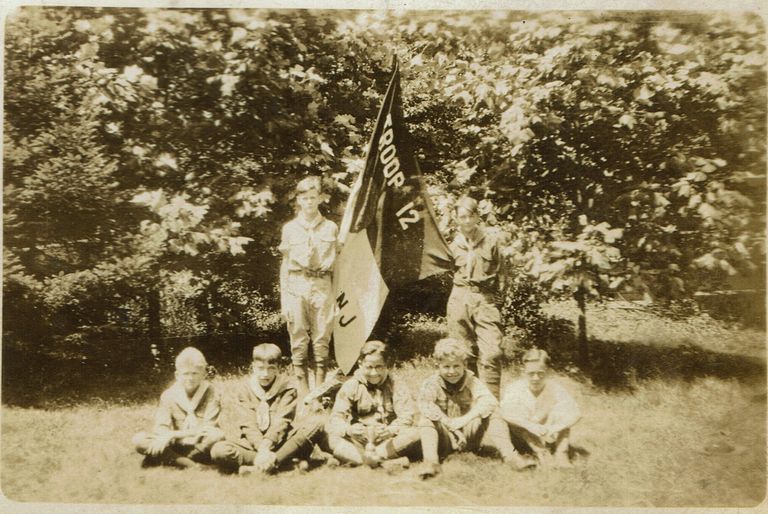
[478, 261]
[553, 405]
[309, 246]
[264, 414]
[439, 401]
[179, 412]
[388, 403]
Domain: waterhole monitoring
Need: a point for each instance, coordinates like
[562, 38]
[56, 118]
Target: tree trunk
[581, 301]
[154, 328]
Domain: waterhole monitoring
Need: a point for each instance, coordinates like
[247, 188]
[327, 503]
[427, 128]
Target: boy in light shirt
[308, 246]
[540, 411]
[187, 419]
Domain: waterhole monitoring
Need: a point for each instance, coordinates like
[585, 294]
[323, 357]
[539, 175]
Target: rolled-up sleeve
[427, 402]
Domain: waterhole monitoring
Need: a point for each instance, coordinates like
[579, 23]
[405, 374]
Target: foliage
[613, 151]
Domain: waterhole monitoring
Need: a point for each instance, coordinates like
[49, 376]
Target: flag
[388, 231]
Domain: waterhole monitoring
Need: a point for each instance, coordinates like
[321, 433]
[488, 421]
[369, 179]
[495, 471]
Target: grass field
[682, 435]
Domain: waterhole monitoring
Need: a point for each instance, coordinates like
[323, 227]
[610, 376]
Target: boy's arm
[427, 403]
[283, 270]
[405, 408]
[341, 414]
[246, 419]
[566, 410]
[284, 412]
[483, 401]
[212, 413]
[513, 411]
[163, 418]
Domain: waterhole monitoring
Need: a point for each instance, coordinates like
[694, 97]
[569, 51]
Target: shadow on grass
[32, 379]
[621, 365]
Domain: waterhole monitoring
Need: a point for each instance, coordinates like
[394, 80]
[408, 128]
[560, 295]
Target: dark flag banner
[389, 233]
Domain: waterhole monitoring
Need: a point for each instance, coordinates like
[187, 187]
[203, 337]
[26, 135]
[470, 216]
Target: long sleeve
[405, 407]
[514, 407]
[281, 415]
[246, 418]
[483, 401]
[427, 402]
[341, 414]
[163, 415]
[565, 412]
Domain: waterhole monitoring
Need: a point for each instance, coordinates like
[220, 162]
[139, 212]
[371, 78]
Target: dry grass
[689, 433]
[647, 448]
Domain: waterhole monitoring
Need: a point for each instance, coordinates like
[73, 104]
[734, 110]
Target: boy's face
[190, 378]
[308, 202]
[451, 370]
[374, 369]
[536, 373]
[466, 220]
[264, 372]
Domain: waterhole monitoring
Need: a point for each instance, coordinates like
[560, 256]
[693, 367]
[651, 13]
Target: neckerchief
[262, 411]
[190, 405]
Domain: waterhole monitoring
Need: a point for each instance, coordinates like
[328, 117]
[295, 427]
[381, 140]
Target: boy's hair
[536, 355]
[465, 202]
[308, 184]
[190, 357]
[374, 348]
[449, 348]
[266, 352]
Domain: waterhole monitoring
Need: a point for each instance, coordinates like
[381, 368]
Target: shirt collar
[461, 384]
[309, 225]
[479, 235]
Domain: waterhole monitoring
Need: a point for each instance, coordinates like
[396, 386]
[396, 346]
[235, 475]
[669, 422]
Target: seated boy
[540, 411]
[373, 416]
[458, 412]
[265, 404]
[187, 420]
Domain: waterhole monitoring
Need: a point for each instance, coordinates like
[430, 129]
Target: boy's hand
[455, 424]
[459, 440]
[159, 444]
[383, 433]
[357, 432]
[265, 460]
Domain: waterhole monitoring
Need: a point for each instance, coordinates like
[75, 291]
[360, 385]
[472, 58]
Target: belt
[311, 273]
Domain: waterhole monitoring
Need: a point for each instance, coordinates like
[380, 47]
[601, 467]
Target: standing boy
[472, 312]
[459, 412]
[372, 421]
[540, 411]
[308, 246]
[187, 419]
[265, 404]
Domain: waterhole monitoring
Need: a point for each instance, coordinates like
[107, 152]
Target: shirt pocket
[485, 259]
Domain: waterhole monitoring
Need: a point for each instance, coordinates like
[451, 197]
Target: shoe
[397, 464]
[302, 466]
[428, 470]
[371, 460]
[521, 462]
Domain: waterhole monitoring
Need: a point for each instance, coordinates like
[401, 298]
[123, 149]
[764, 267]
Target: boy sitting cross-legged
[264, 407]
[459, 413]
[187, 419]
[372, 421]
[540, 411]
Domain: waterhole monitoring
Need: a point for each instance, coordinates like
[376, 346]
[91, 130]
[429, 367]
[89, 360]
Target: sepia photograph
[340, 257]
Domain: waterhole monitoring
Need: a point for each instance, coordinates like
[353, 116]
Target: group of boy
[373, 419]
